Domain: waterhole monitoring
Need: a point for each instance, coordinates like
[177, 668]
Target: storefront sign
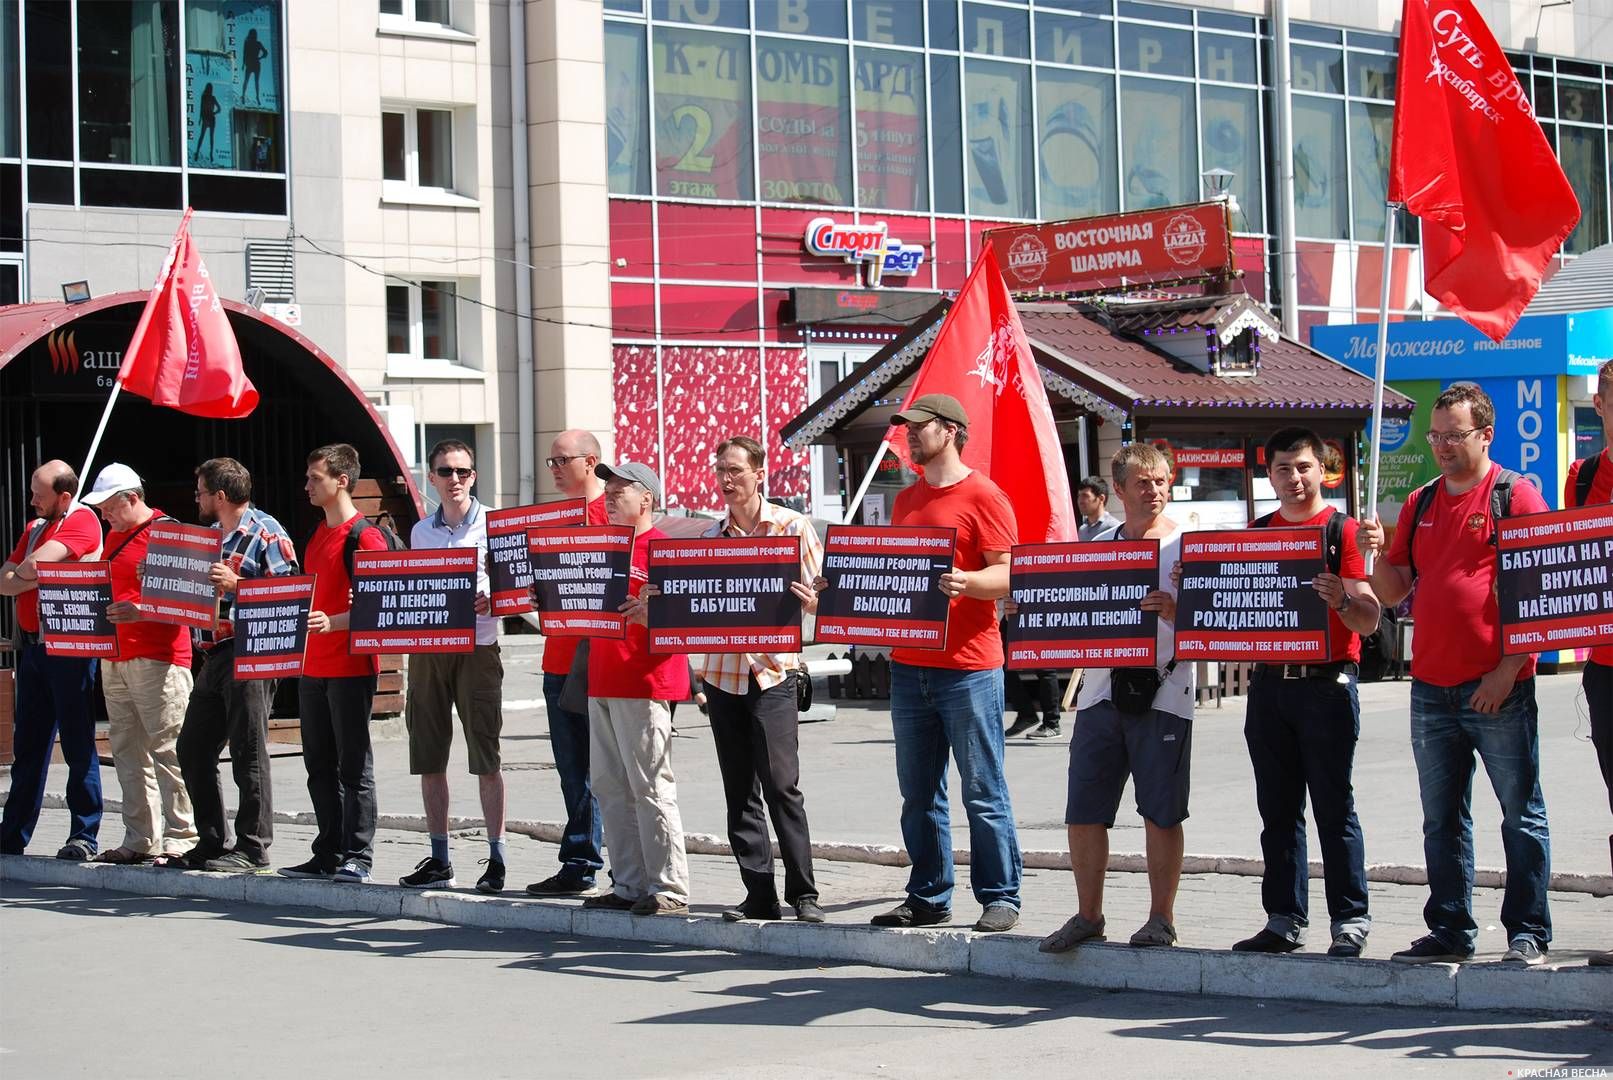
[508, 571]
[725, 594]
[73, 599]
[1078, 605]
[271, 626]
[1554, 584]
[1247, 595]
[174, 587]
[885, 587]
[579, 575]
[414, 601]
[1450, 348]
[1175, 243]
[869, 244]
[880, 307]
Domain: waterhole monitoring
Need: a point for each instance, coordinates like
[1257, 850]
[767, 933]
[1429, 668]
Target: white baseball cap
[113, 479]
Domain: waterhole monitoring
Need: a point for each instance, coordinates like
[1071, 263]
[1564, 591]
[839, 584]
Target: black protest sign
[725, 594]
[509, 572]
[581, 575]
[173, 584]
[885, 587]
[271, 626]
[73, 599]
[1553, 581]
[414, 601]
[1078, 605]
[1246, 595]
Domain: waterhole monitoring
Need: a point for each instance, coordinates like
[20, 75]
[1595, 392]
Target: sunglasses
[445, 471]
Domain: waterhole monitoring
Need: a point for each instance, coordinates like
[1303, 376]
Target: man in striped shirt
[752, 703]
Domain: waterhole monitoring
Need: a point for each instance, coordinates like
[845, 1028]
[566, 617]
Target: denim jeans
[568, 741]
[53, 699]
[935, 711]
[1445, 733]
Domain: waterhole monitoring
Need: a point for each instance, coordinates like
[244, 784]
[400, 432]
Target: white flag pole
[868, 478]
[95, 443]
[1371, 509]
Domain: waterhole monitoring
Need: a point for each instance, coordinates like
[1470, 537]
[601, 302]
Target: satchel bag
[1132, 689]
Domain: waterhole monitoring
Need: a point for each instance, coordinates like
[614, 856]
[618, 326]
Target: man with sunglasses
[470, 683]
[1467, 697]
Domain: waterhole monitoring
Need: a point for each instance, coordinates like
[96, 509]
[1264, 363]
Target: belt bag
[1132, 689]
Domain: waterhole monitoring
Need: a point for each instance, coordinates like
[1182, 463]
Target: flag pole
[95, 443]
[868, 479]
[1371, 509]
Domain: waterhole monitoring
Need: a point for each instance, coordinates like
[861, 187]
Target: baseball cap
[633, 471]
[109, 482]
[933, 407]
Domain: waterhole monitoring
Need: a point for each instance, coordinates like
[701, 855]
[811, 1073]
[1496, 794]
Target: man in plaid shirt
[752, 703]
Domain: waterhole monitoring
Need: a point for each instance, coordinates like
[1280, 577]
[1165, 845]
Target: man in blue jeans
[952, 699]
[1466, 697]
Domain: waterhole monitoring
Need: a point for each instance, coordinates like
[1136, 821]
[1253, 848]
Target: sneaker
[906, 915]
[313, 868]
[1428, 949]
[748, 910]
[997, 917]
[78, 850]
[492, 879]
[606, 902]
[429, 873]
[1020, 725]
[1347, 943]
[1046, 731]
[807, 909]
[1524, 950]
[197, 859]
[559, 885]
[660, 904]
[1266, 941]
[234, 862]
[352, 872]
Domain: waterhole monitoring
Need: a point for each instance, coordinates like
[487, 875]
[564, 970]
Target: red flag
[981, 358]
[1470, 160]
[183, 354]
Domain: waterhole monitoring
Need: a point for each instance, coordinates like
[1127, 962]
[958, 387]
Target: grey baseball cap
[633, 471]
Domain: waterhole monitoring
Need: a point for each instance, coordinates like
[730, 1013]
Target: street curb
[1489, 986]
[550, 832]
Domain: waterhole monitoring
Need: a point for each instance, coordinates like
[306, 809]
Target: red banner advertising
[508, 571]
[580, 575]
[271, 626]
[1554, 584]
[1246, 595]
[1078, 605]
[413, 601]
[73, 598]
[725, 594]
[884, 587]
[1175, 243]
[174, 588]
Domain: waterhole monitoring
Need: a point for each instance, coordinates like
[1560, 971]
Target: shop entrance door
[826, 366]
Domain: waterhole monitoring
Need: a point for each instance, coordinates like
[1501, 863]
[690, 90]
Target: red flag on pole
[183, 354]
[1470, 160]
[981, 358]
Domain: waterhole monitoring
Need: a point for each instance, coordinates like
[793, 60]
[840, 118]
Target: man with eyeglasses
[471, 684]
[1466, 697]
[573, 457]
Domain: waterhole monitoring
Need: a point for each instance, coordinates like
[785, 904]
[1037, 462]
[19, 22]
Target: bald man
[53, 692]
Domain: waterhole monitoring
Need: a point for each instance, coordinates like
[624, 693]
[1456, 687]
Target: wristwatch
[1345, 606]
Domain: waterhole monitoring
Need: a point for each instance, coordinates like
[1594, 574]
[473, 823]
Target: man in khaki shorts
[471, 683]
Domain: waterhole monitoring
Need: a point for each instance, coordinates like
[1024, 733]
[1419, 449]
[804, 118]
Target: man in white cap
[147, 686]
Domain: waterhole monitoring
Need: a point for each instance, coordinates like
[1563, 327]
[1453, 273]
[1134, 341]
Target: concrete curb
[886, 855]
[1575, 990]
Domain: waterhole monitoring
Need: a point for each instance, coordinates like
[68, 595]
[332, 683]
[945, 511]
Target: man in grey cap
[630, 727]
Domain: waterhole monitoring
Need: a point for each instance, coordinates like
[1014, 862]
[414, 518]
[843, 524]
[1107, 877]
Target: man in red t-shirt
[53, 692]
[337, 689]
[573, 457]
[147, 687]
[952, 698]
[1465, 695]
[1301, 727]
[1597, 679]
[630, 727]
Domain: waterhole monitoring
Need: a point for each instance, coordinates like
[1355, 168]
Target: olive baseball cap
[933, 407]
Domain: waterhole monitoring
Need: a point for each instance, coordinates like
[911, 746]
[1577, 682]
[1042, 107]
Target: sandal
[1072, 934]
[1155, 932]
[122, 856]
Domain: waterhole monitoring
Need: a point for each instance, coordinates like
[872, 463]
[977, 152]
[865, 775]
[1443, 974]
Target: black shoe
[430, 873]
[1020, 725]
[234, 862]
[748, 910]
[559, 885]
[197, 859]
[906, 915]
[1046, 731]
[807, 909]
[492, 879]
[1266, 942]
[1347, 943]
[313, 868]
[1428, 949]
[77, 851]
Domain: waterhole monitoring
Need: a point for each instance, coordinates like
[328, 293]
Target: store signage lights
[871, 244]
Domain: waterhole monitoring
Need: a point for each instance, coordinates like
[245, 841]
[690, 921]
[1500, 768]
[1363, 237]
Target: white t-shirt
[433, 531]
[1175, 694]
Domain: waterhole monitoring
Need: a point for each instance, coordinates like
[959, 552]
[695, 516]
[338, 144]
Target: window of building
[946, 134]
[234, 107]
[815, 18]
[803, 117]
[423, 324]
[1070, 39]
[996, 31]
[999, 131]
[1159, 154]
[430, 12]
[10, 81]
[1078, 161]
[49, 64]
[417, 147]
[887, 22]
[892, 149]
[1230, 120]
[627, 108]
[1582, 151]
[702, 114]
[128, 83]
[1321, 194]
[734, 14]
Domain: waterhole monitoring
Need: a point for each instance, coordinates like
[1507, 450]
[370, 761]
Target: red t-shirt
[79, 532]
[326, 656]
[1456, 634]
[624, 668]
[559, 651]
[1601, 492]
[984, 518]
[1343, 643]
[145, 640]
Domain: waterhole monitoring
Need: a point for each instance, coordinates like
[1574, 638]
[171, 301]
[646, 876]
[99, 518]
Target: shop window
[1372, 76]
[128, 83]
[1231, 133]
[1209, 482]
[1589, 438]
[1583, 154]
[946, 135]
[1078, 162]
[49, 63]
[1227, 59]
[423, 326]
[803, 117]
[627, 129]
[1371, 133]
[10, 82]
[999, 133]
[887, 22]
[235, 95]
[1068, 39]
[1321, 201]
[943, 18]
[892, 149]
[417, 147]
[702, 114]
[1155, 50]
[1319, 71]
[815, 18]
[996, 31]
[730, 14]
[1160, 158]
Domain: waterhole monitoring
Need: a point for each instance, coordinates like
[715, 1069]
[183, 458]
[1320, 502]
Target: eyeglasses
[1449, 438]
[445, 471]
[732, 471]
[557, 462]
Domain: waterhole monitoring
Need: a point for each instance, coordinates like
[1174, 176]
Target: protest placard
[271, 626]
[414, 601]
[1553, 581]
[1078, 605]
[884, 587]
[73, 598]
[174, 586]
[725, 594]
[508, 570]
[1246, 595]
[581, 575]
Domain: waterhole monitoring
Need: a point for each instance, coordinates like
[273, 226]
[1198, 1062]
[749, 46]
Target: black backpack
[1500, 507]
[1586, 479]
[382, 524]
